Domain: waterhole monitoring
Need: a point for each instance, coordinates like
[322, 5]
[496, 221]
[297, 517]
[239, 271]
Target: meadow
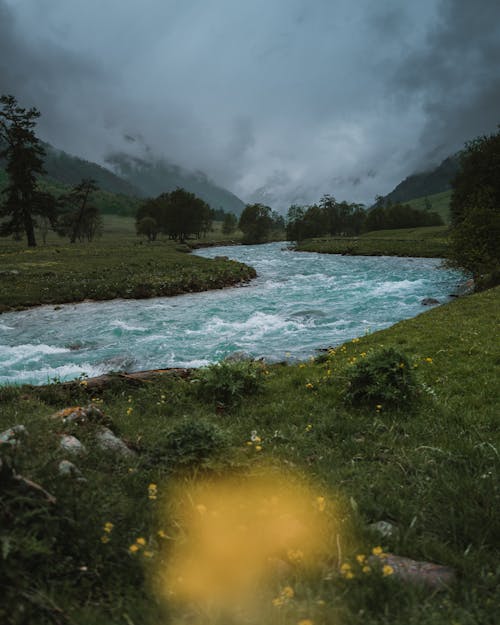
[116, 265]
[428, 242]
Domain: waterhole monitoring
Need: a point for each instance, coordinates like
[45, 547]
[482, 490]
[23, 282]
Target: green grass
[440, 204]
[432, 470]
[117, 265]
[428, 242]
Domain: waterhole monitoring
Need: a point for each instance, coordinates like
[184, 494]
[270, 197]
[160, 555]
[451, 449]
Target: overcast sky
[280, 100]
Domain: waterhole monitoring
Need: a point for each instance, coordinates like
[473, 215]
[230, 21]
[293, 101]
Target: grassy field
[429, 242]
[119, 264]
[107, 551]
[440, 204]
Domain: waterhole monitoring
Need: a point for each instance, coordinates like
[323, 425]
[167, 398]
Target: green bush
[384, 377]
[191, 443]
[229, 382]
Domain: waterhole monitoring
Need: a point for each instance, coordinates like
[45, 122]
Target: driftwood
[137, 378]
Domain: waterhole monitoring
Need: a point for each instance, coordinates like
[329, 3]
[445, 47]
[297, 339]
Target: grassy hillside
[102, 552]
[440, 204]
[430, 242]
[427, 183]
[107, 201]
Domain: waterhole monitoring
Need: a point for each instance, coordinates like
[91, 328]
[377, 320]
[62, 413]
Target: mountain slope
[153, 177]
[426, 183]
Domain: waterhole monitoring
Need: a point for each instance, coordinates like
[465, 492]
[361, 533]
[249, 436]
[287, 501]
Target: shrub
[229, 382]
[191, 443]
[384, 377]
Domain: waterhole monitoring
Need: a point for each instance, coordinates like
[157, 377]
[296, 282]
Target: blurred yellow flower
[141, 541]
[321, 503]
[387, 570]
[133, 548]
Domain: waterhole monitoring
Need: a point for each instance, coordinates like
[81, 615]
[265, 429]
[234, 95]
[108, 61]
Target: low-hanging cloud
[280, 101]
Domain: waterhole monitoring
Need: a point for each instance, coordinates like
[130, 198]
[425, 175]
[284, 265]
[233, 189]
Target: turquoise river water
[299, 303]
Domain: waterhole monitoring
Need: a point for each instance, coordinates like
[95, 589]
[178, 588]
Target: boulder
[107, 441]
[13, 435]
[429, 301]
[384, 528]
[435, 576]
[68, 469]
[79, 415]
[72, 445]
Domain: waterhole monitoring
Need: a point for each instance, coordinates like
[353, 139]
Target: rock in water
[429, 301]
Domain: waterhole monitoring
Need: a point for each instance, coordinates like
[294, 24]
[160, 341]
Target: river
[299, 303]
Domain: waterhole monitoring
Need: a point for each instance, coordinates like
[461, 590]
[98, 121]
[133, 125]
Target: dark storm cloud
[281, 101]
[457, 76]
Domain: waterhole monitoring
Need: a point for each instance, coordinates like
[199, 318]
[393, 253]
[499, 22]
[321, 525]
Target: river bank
[428, 242]
[91, 543]
[59, 274]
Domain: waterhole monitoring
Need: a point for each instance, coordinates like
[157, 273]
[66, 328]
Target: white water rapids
[299, 303]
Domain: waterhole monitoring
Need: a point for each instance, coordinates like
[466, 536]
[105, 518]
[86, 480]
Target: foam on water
[298, 304]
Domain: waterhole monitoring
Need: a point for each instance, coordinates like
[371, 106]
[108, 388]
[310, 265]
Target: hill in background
[432, 186]
[155, 176]
[133, 178]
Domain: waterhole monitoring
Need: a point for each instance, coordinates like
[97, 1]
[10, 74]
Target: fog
[279, 102]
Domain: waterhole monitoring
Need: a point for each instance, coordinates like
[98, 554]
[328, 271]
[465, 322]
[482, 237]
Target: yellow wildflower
[361, 558]
[277, 602]
[387, 570]
[377, 551]
[258, 447]
[162, 534]
[152, 491]
[429, 360]
[141, 541]
[130, 411]
[287, 592]
[148, 554]
[302, 365]
[105, 539]
[295, 556]
[309, 427]
[355, 340]
[309, 385]
[108, 527]
[305, 621]
[366, 569]
[133, 548]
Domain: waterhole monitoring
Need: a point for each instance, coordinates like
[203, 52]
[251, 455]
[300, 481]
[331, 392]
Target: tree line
[330, 217]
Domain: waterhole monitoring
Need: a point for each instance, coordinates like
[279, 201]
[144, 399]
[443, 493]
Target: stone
[79, 415]
[68, 469]
[238, 357]
[72, 445]
[435, 576]
[384, 528]
[429, 301]
[107, 441]
[13, 435]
